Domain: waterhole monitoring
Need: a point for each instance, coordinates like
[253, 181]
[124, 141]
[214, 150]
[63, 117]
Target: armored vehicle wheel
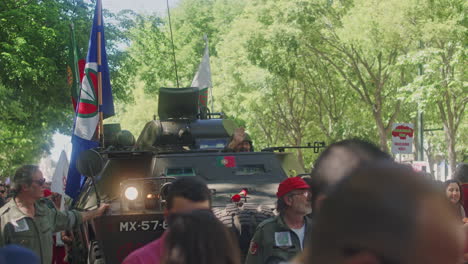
[95, 254]
[243, 220]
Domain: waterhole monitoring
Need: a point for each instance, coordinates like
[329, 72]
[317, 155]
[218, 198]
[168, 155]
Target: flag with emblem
[226, 161]
[75, 68]
[202, 79]
[88, 107]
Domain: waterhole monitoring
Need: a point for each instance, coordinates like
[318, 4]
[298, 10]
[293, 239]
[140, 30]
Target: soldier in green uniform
[280, 238]
[27, 220]
[240, 142]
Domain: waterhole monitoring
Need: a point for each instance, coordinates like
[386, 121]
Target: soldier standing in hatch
[27, 220]
[280, 238]
[240, 142]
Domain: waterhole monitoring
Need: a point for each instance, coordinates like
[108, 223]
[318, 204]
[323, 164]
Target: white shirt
[300, 232]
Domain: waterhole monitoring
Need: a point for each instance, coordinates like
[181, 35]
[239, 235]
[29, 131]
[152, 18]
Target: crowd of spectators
[357, 206]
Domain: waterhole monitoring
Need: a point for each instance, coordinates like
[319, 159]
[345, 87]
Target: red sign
[402, 138]
[403, 132]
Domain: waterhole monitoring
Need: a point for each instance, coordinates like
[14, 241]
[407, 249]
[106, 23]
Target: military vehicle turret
[186, 141]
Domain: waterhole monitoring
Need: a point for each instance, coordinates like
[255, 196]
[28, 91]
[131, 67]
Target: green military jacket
[35, 233]
[274, 242]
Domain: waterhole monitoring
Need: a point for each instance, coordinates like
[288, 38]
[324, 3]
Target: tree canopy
[34, 94]
[297, 71]
[291, 72]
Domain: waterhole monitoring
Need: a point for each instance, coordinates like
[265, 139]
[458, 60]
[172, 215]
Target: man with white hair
[27, 220]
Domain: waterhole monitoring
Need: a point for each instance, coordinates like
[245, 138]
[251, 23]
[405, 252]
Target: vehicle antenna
[172, 41]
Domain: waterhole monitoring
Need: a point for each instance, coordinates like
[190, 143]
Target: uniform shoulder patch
[253, 248]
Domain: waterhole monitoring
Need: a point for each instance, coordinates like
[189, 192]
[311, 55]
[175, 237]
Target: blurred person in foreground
[29, 221]
[338, 160]
[280, 238]
[385, 213]
[199, 237]
[455, 196]
[184, 195]
[14, 254]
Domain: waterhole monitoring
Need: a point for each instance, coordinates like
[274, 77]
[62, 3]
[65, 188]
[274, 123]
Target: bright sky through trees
[290, 71]
[139, 6]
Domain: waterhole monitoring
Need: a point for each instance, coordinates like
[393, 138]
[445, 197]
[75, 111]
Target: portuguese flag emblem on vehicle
[226, 161]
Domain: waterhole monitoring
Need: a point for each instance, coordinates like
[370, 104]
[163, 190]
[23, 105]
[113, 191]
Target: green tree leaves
[291, 72]
[297, 71]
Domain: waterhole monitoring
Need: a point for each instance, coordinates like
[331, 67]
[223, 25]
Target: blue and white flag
[87, 111]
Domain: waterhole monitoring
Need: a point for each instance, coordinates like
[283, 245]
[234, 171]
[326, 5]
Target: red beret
[47, 193]
[293, 183]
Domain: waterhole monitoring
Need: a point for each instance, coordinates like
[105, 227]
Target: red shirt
[464, 189]
[150, 253]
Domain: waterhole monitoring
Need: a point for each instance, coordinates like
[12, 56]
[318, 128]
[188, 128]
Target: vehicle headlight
[131, 193]
[144, 193]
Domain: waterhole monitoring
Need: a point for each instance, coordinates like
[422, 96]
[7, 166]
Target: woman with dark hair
[455, 196]
[199, 237]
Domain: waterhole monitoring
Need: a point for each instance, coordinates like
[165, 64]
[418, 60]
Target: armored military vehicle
[186, 141]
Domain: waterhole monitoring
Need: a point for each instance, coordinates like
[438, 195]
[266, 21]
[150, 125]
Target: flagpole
[99, 57]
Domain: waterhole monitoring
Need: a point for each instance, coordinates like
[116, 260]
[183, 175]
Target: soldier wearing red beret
[280, 238]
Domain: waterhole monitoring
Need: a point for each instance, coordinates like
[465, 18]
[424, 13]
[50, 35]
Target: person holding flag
[28, 220]
[94, 104]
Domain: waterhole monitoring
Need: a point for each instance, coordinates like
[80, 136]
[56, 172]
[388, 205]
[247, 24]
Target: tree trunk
[300, 156]
[452, 154]
[430, 158]
[382, 131]
[450, 133]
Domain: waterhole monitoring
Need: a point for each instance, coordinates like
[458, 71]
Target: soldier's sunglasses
[40, 182]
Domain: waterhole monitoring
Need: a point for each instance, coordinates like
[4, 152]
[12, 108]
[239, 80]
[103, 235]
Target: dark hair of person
[23, 175]
[359, 148]
[372, 209]
[461, 173]
[281, 205]
[189, 188]
[448, 182]
[199, 237]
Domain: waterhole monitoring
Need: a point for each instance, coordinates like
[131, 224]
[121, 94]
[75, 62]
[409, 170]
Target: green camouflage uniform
[267, 247]
[35, 233]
